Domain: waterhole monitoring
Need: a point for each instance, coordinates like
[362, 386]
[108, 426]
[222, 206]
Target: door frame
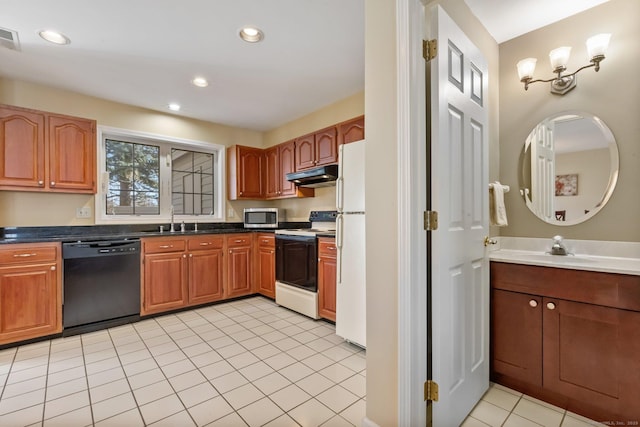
[412, 201]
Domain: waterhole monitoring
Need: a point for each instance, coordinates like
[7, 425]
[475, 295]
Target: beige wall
[25, 209]
[610, 94]
[382, 193]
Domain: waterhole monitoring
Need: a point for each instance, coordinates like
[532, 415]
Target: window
[148, 178]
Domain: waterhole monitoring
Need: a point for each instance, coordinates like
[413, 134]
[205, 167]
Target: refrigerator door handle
[340, 193]
[339, 226]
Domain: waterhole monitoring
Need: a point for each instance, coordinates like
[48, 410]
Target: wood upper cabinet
[22, 146]
[569, 337]
[239, 264]
[351, 130]
[317, 149]
[31, 291]
[327, 277]
[206, 269]
[266, 264]
[46, 152]
[245, 177]
[72, 154]
[279, 161]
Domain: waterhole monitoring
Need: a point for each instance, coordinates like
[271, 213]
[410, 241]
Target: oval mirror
[569, 167]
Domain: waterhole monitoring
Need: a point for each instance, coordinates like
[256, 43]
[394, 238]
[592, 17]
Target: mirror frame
[614, 170]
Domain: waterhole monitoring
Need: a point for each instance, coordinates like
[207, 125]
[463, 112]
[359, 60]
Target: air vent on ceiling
[9, 39]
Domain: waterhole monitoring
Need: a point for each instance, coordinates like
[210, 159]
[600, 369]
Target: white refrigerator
[351, 314]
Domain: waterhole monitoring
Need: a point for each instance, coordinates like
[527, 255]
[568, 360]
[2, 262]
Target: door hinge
[430, 220]
[431, 391]
[429, 49]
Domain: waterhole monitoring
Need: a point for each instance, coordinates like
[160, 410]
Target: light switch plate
[83, 212]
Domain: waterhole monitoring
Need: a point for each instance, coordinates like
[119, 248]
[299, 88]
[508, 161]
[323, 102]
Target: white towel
[497, 211]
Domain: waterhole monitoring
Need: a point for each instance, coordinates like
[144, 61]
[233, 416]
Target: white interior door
[543, 170]
[459, 193]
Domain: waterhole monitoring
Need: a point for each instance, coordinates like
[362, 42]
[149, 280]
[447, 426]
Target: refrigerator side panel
[351, 315]
[351, 172]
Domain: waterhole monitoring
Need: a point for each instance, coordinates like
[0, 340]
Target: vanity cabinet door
[516, 331]
[591, 354]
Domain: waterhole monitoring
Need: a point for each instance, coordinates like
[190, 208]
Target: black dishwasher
[101, 284]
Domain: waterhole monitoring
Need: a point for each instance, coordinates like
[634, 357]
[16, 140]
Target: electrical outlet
[231, 213]
[84, 212]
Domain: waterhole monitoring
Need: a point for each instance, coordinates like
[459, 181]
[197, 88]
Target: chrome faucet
[558, 247]
[182, 227]
[172, 229]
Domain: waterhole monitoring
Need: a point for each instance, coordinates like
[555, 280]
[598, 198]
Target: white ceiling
[145, 52]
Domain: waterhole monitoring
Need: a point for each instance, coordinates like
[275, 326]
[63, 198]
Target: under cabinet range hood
[323, 176]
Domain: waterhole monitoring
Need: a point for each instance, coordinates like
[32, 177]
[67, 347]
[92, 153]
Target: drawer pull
[551, 306]
[165, 246]
[533, 303]
[265, 241]
[331, 248]
[239, 241]
[206, 243]
[23, 255]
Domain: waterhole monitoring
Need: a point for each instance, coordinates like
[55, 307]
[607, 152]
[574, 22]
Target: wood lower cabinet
[239, 264]
[206, 269]
[568, 337]
[266, 264]
[30, 291]
[46, 152]
[327, 277]
[165, 276]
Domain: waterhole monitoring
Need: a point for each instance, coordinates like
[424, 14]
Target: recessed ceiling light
[200, 82]
[174, 107]
[54, 37]
[251, 34]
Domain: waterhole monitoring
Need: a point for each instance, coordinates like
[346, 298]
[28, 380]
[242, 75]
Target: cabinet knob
[53, 268]
[53, 183]
[41, 183]
[271, 251]
[241, 193]
[184, 255]
[190, 255]
[533, 303]
[551, 306]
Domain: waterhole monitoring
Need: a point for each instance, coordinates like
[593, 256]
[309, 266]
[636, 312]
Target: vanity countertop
[609, 257]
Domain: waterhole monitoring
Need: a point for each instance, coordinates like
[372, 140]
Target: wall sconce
[596, 47]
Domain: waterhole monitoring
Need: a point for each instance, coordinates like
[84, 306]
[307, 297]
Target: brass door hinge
[430, 220]
[429, 49]
[431, 391]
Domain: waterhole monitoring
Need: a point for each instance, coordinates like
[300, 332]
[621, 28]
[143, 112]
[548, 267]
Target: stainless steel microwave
[263, 217]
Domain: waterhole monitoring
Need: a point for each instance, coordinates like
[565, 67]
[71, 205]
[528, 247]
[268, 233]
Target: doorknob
[489, 241]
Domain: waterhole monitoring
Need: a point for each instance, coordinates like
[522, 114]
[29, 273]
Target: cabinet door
[250, 173]
[287, 161]
[326, 146]
[591, 354]
[327, 276]
[267, 271]
[239, 271]
[351, 131]
[30, 303]
[72, 155]
[165, 282]
[516, 331]
[273, 176]
[205, 276]
[22, 148]
[305, 155]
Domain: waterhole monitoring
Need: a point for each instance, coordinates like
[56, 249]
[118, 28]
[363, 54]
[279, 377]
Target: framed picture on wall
[567, 185]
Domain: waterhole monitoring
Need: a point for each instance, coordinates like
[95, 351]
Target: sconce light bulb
[526, 67]
[559, 58]
[597, 46]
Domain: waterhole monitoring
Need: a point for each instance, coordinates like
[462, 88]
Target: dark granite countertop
[134, 231]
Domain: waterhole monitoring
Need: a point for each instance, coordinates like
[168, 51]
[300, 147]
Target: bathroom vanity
[567, 334]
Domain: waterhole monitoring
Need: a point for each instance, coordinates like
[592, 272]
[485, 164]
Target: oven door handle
[339, 227]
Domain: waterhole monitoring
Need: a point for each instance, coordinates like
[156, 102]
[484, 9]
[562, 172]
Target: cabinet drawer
[19, 254]
[327, 247]
[234, 240]
[155, 246]
[205, 242]
[266, 240]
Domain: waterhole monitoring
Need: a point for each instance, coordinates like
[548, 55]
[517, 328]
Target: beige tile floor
[503, 407]
[246, 362]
